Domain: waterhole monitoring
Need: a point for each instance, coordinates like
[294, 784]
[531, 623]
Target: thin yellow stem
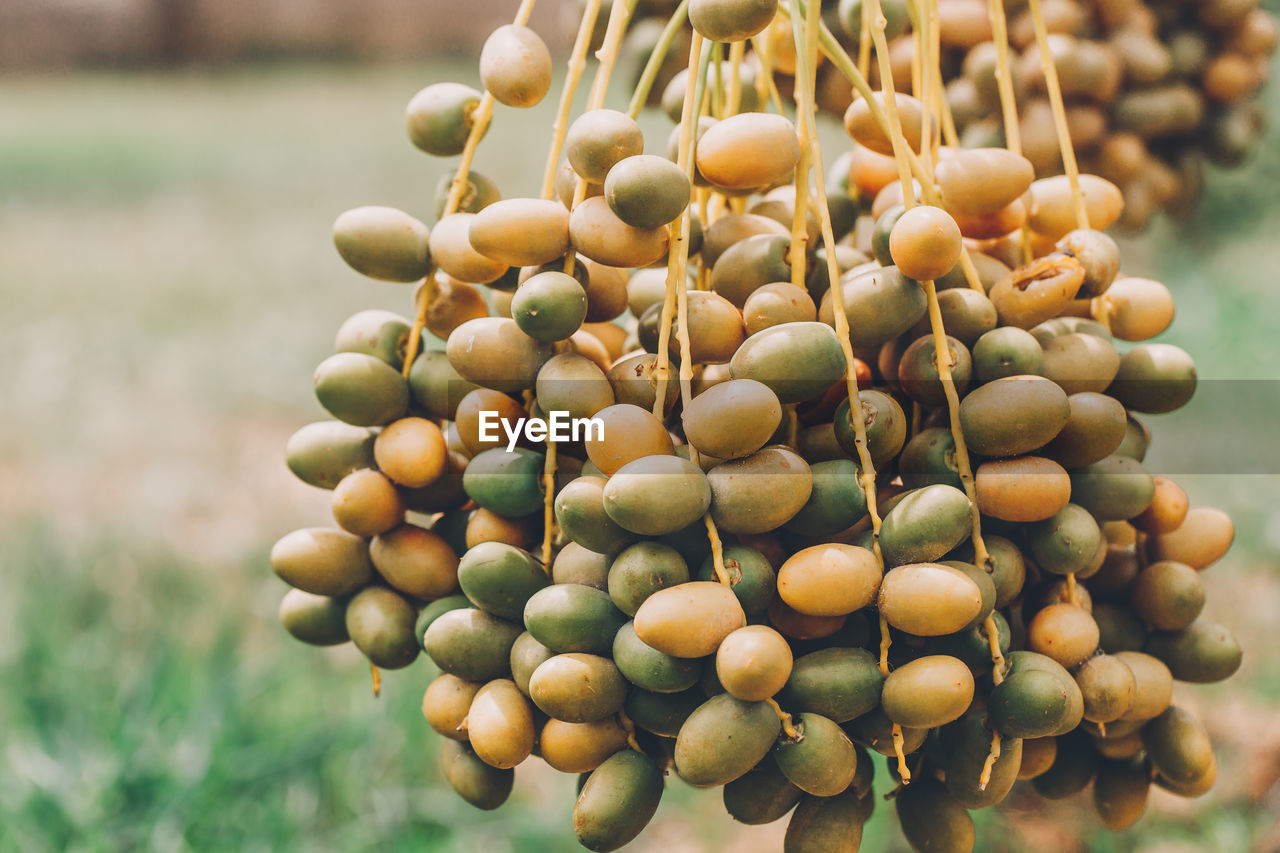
[903, 771]
[736, 51]
[480, 123]
[682, 316]
[377, 680]
[678, 271]
[939, 98]
[1004, 75]
[654, 64]
[577, 64]
[923, 82]
[524, 12]
[710, 204]
[900, 147]
[944, 109]
[864, 42]
[548, 504]
[806, 47]
[426, 294]
[885, 644]
[1008, 103]
[840, 59]
[804, 105]
[429, 290]
[831, 49]
[992, 757]
[917, 416]
[607, 54]
[942, 358]
[630, 728]
[480, 117]
[1100, 309]
[713, 207]
[579, 195]
[942, 351]
[788, 725]
[997, 656]
[765, 84]
[797, 254]
[1059, 114]
[920, 35]
[619, 17]
[969, 270]
[677, 258]
[717, 85]
[717, 552]
[1073, 596]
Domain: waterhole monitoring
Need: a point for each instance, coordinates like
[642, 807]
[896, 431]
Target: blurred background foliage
[168, 285]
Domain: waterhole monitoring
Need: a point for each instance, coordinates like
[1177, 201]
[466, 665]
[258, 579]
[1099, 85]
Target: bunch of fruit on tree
[1153, 88]
[732, 576]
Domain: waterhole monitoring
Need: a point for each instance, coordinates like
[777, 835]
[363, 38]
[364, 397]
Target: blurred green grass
[166, 270]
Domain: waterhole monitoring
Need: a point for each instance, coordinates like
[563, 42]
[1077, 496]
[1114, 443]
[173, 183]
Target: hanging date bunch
[1154, 88]
[685, 491]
